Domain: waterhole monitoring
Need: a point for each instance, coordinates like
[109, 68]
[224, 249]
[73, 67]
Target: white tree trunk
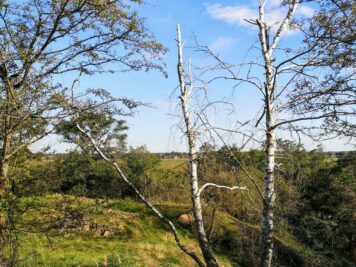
[269, 193]
[267, 48]
[194, 185]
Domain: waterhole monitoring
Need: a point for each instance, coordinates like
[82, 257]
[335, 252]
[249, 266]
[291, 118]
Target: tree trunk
[269, 193]
[269, 198]
[4, 183]
[194, 185]
[4, 166]
[197, 211]
[4, 162]
[268, 46]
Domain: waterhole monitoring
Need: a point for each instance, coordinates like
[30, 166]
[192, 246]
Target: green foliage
[73, 173]
[314, 212]
[83, 175]
[327, 217]
[330, 36]
[100, 125]
[141, 167]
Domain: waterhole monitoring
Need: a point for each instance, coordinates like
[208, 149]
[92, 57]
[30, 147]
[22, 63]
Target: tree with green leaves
[142, 166]
[103, 124]
[44, 38]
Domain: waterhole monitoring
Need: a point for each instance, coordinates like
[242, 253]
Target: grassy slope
[142, 241]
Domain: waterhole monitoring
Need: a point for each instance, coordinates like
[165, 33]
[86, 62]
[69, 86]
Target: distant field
[170, 164]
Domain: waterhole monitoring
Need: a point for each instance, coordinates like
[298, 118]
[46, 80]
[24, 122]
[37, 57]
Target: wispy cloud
[231, 14]
[305, 11]
[237, 15]
[222, 44]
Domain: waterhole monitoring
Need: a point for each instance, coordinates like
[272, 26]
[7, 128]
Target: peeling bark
[193, 162]
[269, 194]
[267, 48]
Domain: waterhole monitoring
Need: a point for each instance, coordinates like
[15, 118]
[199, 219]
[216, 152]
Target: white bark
[269, 191]
[220, 186]
[270, 77]
[191, 136]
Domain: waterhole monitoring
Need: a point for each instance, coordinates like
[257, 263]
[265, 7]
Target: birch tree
[193, 161]
[186, 86]
[294, 90]
[313, 98]
[267, 49]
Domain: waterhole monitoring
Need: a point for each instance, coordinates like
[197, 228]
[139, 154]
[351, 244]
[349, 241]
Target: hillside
[78, 231]
[72, 210]
[110, 233]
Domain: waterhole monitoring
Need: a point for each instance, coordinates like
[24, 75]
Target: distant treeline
[184, 155]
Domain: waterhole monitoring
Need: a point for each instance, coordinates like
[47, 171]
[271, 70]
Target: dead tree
[191, 134]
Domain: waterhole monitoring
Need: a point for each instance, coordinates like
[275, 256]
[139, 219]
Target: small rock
[186, 219]
[107, 233]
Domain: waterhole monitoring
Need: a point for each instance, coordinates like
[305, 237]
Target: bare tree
[308, 97]
[186, 87]
[269, 87]
[293, 91]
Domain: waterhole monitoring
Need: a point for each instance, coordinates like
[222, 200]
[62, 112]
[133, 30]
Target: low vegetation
[87, 217]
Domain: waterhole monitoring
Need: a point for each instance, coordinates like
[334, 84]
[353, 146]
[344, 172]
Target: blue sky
[219, 25]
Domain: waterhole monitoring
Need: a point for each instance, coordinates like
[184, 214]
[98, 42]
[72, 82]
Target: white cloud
[231, 14]
[237, 15]
[305, 11]
[221, 44]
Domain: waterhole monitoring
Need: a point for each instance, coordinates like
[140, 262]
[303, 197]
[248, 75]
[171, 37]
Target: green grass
[90, 251]
[142, 241]
[179, 164]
